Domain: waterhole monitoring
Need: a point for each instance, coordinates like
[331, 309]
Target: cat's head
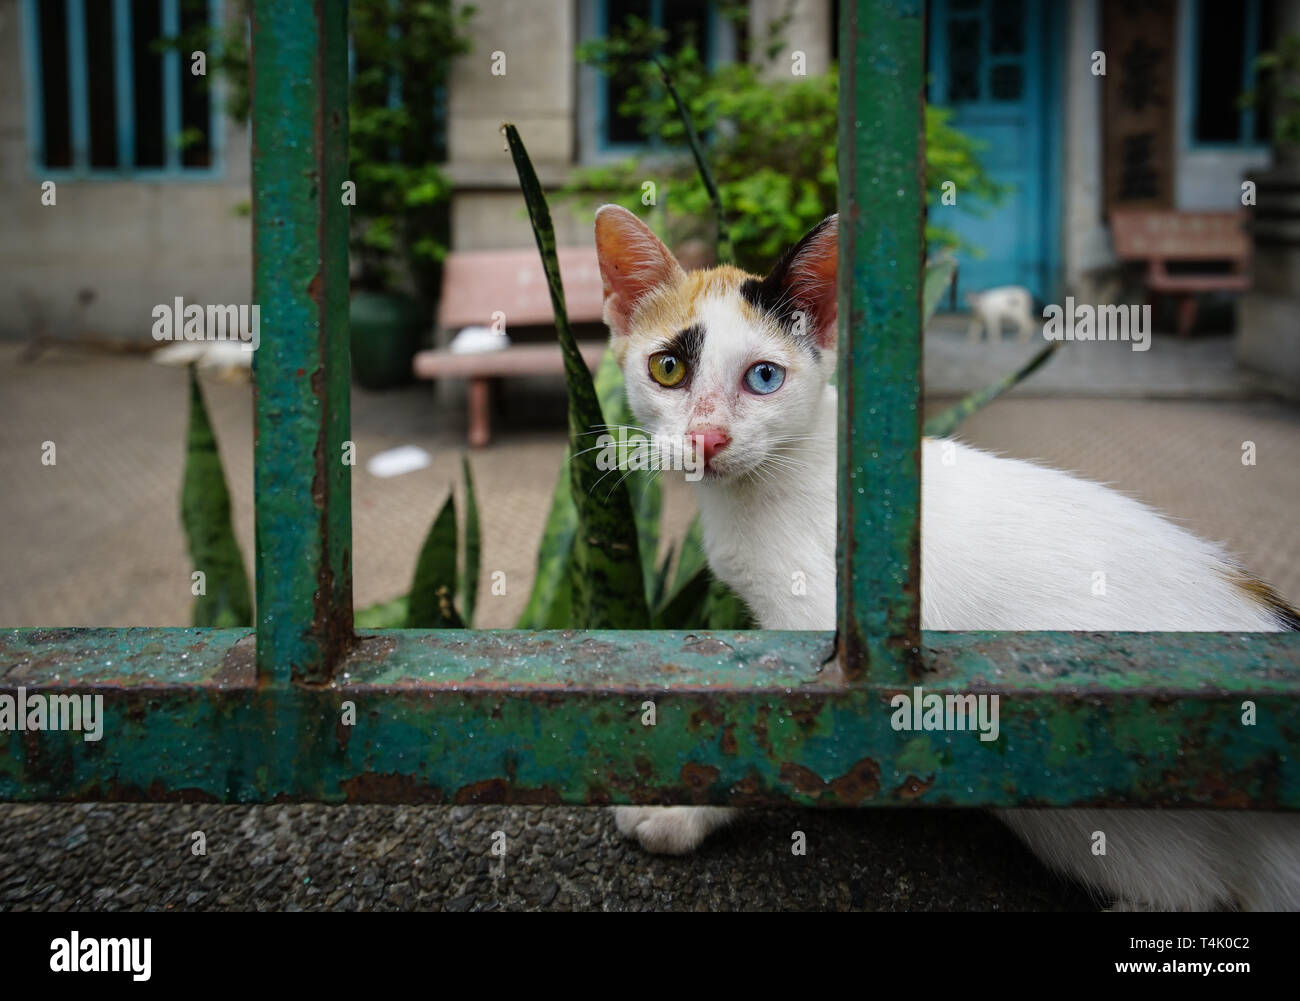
[731, 364]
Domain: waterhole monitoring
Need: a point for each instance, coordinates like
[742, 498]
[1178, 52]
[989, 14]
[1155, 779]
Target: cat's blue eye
[764, 377]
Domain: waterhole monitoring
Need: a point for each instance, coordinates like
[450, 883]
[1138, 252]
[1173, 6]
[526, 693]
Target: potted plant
[401, 55]
[400, 220]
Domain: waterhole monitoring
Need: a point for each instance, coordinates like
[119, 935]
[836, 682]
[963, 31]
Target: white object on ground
[477, 340]
[397, 461]
[208, 354]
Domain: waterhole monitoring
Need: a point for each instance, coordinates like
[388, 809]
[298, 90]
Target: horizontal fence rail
[490, 717]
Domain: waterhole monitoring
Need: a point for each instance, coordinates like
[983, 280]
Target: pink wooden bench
[475, 285]
[1159, 236]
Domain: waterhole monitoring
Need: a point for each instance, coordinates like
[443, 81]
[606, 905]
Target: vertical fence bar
[881, 252]
[302, 369]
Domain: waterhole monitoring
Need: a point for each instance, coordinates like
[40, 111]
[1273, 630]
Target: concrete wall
[809, 32]
[1084, 233]
[124, 245]
[537, 93]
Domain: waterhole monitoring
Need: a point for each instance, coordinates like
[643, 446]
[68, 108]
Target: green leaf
[384, 615]
[725, 254]
[473, 546]
[605, 574]
[692, 557]
[550, 603]
[942, 425]
[773, 162]
[644, 486]
[704, 602]
[697, 599]
[205, 516]
[724, 609]
[684, 609]
[434, 588]
[661, 580]
[938, 276]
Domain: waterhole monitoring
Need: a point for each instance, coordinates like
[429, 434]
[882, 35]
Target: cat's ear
[802, 286]
[633, 263]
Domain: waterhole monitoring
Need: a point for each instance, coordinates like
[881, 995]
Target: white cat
[739, 366]
[1007, 302]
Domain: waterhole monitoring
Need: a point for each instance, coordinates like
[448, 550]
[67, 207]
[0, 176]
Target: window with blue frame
[686, 21]
[1228, 38]
[108, 95]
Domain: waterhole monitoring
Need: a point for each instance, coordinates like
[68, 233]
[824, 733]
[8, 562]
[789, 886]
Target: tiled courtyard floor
[95, 540]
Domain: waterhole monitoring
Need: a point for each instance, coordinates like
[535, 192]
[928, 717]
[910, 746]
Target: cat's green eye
[667, 369]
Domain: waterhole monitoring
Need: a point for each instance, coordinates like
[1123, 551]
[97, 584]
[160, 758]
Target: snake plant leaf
[643, 485]
[725, 254]
[942, 425]
[661, 580]
[704, 602]
[684, 608]
[938, 276]
[384, 615]
[205, 516]
[473, 545]
[433, 590]
[684, 605]
[692, 558]
[724, 608]
[550, 603]
[697, 599]
[608, 585]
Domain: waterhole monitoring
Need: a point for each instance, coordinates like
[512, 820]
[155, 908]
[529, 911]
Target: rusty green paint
[748, 717]
[881, 249]
[302, 369]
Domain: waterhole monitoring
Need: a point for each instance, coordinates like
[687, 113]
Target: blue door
[993, 63]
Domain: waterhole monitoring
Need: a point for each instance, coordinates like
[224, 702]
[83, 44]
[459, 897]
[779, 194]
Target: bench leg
[1186, 314]
[480, 418]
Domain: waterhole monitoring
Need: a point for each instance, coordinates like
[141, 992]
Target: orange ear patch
[633, 264]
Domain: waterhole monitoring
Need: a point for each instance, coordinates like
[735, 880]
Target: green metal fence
[238, 715]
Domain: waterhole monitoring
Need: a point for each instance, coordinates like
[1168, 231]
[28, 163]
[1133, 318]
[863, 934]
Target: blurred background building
[151, 174]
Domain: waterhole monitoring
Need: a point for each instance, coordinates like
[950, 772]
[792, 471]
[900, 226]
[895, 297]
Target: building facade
[151, 176]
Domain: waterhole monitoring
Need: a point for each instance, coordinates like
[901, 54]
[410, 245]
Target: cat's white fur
[989, 308]
[1005, 545]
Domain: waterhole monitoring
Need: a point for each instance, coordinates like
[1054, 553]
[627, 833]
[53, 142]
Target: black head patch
[687, 345]
[775, 296]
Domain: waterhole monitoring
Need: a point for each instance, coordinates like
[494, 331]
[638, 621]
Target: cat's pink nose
[710, 442]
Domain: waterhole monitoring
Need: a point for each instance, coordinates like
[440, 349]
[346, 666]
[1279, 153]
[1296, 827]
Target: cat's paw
[670, 830]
